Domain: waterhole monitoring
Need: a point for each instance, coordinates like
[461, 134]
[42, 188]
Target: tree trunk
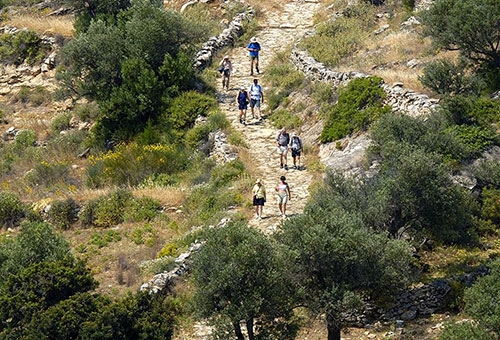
[251, 336]
[237, 331]
[333, 329]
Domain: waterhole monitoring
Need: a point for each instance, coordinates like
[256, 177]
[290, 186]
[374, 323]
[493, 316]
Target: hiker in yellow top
[259, 197]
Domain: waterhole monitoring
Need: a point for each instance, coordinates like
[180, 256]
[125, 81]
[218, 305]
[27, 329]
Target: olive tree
[469, 26]
[240, 275]
[337, 259]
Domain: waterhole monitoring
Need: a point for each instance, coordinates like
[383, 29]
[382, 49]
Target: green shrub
[227, 173]
[24, 139]
[130, 164]
[36, 96]
[359, 104]
[197, 136]
[103, 238]
[408, 5]
[141, 209]
[61, 122]
[465, 330]
[62, 214]
[475, 139]
[283, 118]
[87, 112]
[106, 211]
[48, 174]
[11, 210]
[337, 38]
[487, 172]
[143, 235]
[170, 249]
[24, 46]
[491, 205]
[217, 121]
[159, 181]
[443, 76]
[322, 93]
[184, 109]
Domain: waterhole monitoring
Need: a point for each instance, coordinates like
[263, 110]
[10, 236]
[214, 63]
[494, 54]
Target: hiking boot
[245, 123]
[257, 69]
[294, 167]
[281, 166]
[251, 73]
[286, 167]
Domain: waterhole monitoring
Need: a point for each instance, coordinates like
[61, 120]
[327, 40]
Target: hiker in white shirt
[256, 98]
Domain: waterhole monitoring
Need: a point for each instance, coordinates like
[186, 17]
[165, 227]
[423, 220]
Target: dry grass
[48, 25]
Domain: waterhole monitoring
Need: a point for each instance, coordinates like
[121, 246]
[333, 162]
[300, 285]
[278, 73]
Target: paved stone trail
[280, 28]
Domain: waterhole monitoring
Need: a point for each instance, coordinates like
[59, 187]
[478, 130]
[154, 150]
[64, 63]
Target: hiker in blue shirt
[254, 48]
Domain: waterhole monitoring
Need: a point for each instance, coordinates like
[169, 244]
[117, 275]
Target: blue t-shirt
[256, 48]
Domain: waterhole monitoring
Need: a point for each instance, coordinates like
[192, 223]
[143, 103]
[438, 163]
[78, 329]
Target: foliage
[142, 209]
[339, 37]
[239, 275]
[35, 243]
[467, 25]
[474, 139]
[11, 210]
[490, 209]
[130, 164]
[24, 139]
[487, 172]
[184, 110]
[133, 60]
[283, 118]
[336, 257]
[63, 213]
[23, 46]
[106, 211]
[465, 330]
[61, 122]
[481, 300]
[359, 104]
[48, 174]
[446, 77]
[36, 96]
[103, 238]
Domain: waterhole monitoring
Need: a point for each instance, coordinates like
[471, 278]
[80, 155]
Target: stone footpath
[280, 29]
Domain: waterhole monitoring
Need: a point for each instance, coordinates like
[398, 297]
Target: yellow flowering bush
[131, 163]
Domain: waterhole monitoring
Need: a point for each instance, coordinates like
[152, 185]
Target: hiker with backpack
[242, 98]
[254, 48]
[226, 68]
[283, 139]
[296, 146]
[256, 98]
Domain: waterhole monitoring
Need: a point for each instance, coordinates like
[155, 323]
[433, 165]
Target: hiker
[256, 98]
[254, 48]
[259, 198]
[283, 139]
[296, 146]
[226, 68]
[284, 195]
[243, 99]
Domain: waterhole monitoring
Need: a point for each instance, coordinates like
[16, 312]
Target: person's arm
[261, 95]
[289, 193]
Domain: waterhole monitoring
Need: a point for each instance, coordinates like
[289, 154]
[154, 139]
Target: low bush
[48, 174]
[63, 213]
[284, 118]
[11, 210]
[490, 209]
[24, 46]
[61, 122]
[443, 76]
[184, 109]
[36, 96]
[359, 104]
[130, 164]
[475, 139]
[87, 112]
[339, 37]
[487, 172]
[106, 211]
[227, 173]
[24, 139]
[104, 238]
[142, 209]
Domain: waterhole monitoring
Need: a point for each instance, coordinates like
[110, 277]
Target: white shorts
[282, 198]
[283, 149]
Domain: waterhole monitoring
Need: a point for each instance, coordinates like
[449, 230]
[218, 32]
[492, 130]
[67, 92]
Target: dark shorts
[256, 57]
[227, 73]
[258, 201]
[254, 102]
[295, 153]
[243, 106]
